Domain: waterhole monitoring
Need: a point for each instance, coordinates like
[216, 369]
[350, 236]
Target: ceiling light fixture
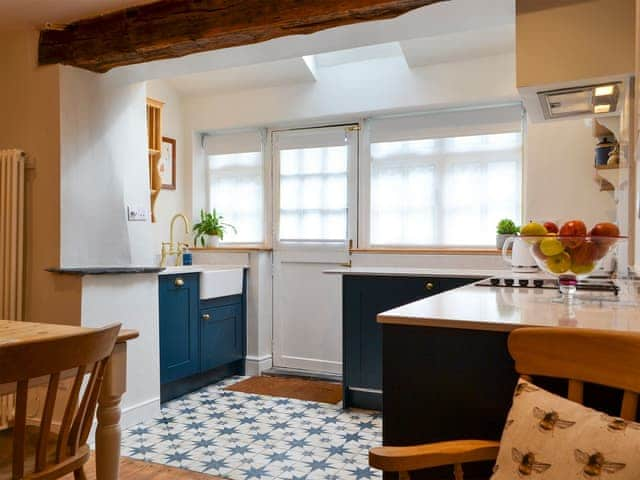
[604, 90]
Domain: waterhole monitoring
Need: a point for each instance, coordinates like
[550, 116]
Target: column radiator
[12, 197]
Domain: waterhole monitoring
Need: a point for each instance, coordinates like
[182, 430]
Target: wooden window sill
[429, 251]
[232, 249]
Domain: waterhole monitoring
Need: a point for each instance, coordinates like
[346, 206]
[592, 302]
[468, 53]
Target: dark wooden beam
[174, 28]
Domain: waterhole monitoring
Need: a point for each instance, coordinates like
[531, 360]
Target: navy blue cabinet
[201, 342]
[364, 297]
[179, 346]
[222, 335]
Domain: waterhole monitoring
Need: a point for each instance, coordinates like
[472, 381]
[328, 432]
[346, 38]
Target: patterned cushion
[548, 437]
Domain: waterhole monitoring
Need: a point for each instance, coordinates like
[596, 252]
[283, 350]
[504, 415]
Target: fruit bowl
[570, 257]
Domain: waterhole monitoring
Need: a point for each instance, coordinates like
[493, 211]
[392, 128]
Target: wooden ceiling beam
[174, 28]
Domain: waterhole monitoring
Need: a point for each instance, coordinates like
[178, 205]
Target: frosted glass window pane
[444, 191]
[313, 194]
[236, 191]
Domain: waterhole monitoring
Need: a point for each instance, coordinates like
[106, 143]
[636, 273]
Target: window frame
[265, 244]
[364, 208]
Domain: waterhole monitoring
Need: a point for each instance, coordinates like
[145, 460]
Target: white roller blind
[445, 179]
[236, 183]
[456, 123]
[236, 142]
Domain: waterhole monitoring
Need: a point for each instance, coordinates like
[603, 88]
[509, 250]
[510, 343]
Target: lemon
[533, 228]
[551, 246]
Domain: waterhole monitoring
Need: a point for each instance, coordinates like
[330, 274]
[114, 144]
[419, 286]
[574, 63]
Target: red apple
[605, 229]
[585, 254]
[551, 227]
[573, 228]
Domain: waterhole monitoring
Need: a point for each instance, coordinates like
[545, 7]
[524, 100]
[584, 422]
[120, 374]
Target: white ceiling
[17, 14]
[460, 46]
[261, 75]
[417, 52]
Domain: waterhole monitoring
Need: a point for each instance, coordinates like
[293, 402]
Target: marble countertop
[504, 309]
[420, 272]
[199, 269]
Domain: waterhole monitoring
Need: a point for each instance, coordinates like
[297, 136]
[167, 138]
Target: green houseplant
[210, 229]
[506, 228]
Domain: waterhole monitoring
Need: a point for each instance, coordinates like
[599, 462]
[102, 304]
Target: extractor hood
[583, 100]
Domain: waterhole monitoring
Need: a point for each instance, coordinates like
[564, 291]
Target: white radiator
[12, 198]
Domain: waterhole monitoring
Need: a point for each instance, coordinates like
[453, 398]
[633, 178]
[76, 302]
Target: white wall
[558, 155]
[175, 201]
[131, 300]
[104, 168]
[558, 174]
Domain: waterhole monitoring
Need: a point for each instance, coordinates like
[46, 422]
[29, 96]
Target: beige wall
[564, 40]
[29, 120]
[175, 201]
[558, 174]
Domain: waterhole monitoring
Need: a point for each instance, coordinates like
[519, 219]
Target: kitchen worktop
[504, 309]
[198, 269]
[418, 272]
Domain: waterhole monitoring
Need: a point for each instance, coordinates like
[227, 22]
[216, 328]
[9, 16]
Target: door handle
[179, 282]
[206, 317]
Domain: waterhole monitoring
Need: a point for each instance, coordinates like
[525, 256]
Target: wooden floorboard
[136, 470]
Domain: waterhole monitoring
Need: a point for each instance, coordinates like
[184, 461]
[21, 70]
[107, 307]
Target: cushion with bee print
[547, 437]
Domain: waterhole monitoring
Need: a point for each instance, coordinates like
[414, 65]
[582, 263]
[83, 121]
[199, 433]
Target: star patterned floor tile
[243, 436]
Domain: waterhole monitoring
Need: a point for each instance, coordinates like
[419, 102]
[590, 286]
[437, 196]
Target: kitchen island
[368, 291]
[447, 373]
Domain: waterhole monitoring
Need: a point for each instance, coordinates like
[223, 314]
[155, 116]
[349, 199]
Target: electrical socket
[137, 213]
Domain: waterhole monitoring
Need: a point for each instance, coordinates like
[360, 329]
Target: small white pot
[213, 241]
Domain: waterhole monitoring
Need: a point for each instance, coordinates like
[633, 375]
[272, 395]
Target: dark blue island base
[363, 298]
[454, 384]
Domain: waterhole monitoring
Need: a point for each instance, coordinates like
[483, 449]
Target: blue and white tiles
[242, 436]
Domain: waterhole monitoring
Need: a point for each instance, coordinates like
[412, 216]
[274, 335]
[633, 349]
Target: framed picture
[168, 163]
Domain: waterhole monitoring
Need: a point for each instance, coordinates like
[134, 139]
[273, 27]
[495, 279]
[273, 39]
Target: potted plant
[506, 228]
[210, 230]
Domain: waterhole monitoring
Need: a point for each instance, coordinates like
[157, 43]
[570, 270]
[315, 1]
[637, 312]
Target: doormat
[291, 387]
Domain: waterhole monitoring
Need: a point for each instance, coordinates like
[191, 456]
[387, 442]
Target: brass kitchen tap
[171, 248]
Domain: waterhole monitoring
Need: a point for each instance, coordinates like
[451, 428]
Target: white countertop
[419, 272]
[198, 269]
[504, 309]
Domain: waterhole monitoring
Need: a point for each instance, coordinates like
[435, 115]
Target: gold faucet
[171, 248]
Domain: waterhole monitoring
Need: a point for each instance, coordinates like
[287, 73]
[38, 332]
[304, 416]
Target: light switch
[137, 213]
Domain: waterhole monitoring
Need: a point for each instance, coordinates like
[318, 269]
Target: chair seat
[31, 442]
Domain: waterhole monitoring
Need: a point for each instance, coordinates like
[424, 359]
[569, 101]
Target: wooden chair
[582, 356]
[37, 451]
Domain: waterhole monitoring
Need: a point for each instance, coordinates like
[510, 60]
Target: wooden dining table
[108, 433]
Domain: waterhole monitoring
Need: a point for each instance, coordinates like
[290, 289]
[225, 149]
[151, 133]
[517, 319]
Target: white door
[314, 220]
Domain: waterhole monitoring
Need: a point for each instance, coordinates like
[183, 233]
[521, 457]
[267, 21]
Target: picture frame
[167, 164]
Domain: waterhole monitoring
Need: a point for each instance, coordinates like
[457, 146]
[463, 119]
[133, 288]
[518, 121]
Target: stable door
[314, 221]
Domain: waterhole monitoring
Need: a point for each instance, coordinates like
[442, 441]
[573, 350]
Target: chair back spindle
[47, 453]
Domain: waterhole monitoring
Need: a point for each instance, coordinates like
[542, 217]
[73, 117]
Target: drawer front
[222, 335]
[179, 348]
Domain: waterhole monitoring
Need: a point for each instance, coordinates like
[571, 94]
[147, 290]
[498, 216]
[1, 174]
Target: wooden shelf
[611, 177]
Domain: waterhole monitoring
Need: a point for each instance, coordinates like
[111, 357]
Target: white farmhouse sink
[220, 282]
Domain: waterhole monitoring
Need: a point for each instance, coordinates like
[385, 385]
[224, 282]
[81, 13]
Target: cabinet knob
[206, 316]
[179, 282]
[429, 286]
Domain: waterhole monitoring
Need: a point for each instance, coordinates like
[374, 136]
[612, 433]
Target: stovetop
[594, 284]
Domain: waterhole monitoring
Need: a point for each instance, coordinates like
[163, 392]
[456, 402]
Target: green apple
[551, 246]
[559, 263]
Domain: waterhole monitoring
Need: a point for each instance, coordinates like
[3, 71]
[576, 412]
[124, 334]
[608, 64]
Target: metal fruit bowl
[570, 258]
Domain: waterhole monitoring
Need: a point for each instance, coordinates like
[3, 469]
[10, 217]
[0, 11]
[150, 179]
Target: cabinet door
[364, 298]
[179, 349]
[222, 338]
